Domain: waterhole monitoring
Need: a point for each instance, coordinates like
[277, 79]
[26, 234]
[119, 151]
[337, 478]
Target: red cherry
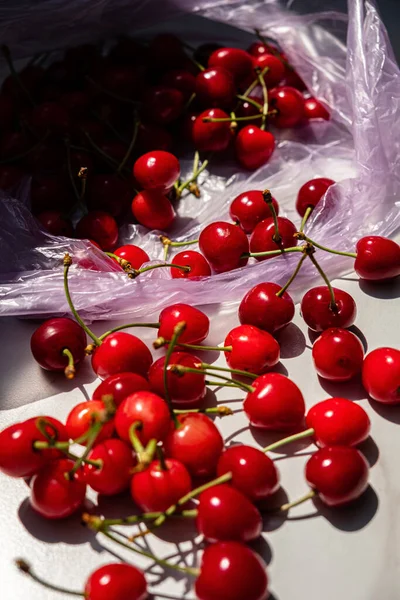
[186, 126]
[123, 80]
[53, 495]
[116, 581]
[163, 105]
[262, 308]
[381, 375]
[203, 52]
[289, 103]
[337, 354]
[238, 62]
[215, 87]
[254, 147]
[114, 475]
[378, 258]
[6, 111]
[157, 170]
[10, 176]
[225, 514]
[198, 265]
[311, 193]
[253, 472]
[156, 489]
[253, 350]
[247, 109]
[249, 208]
[276, 403]
[224, 246]
[182, 80]
[44, 189]
[52, 337]
[338, 422]
[49, 155]
[316, 309]
[18, 457]
[120, 386]
[133, 254]
[148, 408]
[339, 474]
[293, 79]
[197, 443]
[276, 68]
[119, 353]
[259, 48]
[152, 137]
[166, 51]
[14, 143]
[114, 149]
[108, 193]
[262, 238]
[50, 117]
[231, 571]
[212, 137]
[53, 222]
[152, 209]
[197, 323]
[100, 227]
[187, 390]
[314, 109]
[76, 103]
[83, 415]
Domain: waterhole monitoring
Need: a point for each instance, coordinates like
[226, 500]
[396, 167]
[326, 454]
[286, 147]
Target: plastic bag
[358, 148]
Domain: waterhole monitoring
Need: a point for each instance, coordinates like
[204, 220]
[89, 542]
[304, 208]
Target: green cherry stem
[267, 197]
[191, 179]
[181, 370]
[289, 505]
[333, 304]
[283, 289]
[71, 175]
[136, 272]
[265, 97]
[5, 50]
[288, 440]
[69, 370]
[254, 103]
[131, 145]
[222, 411]
[26, 568]
[109, 93]
[227, 370]
[160, 342]
[230, 119]
[305, 218]
[178, 330]
[82, 174]
[97, 523]
[331, 250]
[253, 85]
[127, 326]
[91, 439]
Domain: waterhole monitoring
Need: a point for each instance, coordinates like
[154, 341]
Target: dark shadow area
[353, 517]
[279, 368]
[313, 335]
[177, 530]
[292, 341]
[269, 508]
[352, 390]
[360, 336]
[390, 412]
[262, 548]
[370, 451]
[383, 290]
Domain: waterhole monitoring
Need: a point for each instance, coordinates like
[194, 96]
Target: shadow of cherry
[291, 340]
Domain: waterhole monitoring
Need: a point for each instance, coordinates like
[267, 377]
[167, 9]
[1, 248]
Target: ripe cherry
[50, 117]
[55, 224]
[53, 494]
[14, 143]
[44, 189]
[262, 308]
[225, 514]
[293, 79]
[378, 258]
[76, 103]
[318, 313]
[337, 354]
[121, 352]
[215, 87]
[181, 80]
[259, 48]
[114, 475]
[147, 408]
[52, 337]
[338, 422]
[263, 238]
[253, 472]
[311, 193]
[276, 403]
[276, 68]
[198, 265]
[254, 147]
[156, 488]
[123, 80]
[211, 137]
[109, 193]
[197, 323]
[231, 571]
[289, 103]
[253, 349]
[224, 245]
[133, 254]
[84, 415]
[197, 443]
[116, 581]
[157, 170]
[162, 105]
[153, 210]
[247, 109]
[120, 386]
[234, 60]
[10, 176]
[187, 390]
[100, 227]
[381, 375]
[204, 51]
[314, 109]
[249, 208]
[153, 137]
[339, 474]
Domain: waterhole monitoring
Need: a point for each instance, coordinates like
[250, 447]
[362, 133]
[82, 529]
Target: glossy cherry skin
[120, 386]
[52, 337]
[83, 415]
[18, 457]
[152, 209]
[133, 254]
[253, 349]
[234, 60]
[338, 355]
[314, 109]
[316, 309]
[247, 109]
[148, 408]
[108, 193]
[232, 571]
[100, 227]
[197, 323]
[254, 147]
[259, 48]
[378, 258]
[276, 68]
[211, 137]
[338, 422]
[253, 472]
[155, 489]
[186, 391]
[249, 208]
[276, 403]
[157, 170]
[117, 462]
[381, 375]
[121, 352]
[224, 245]
[225, 514]
[311, 193]
[182, 80]
[197, 443]
[262, 238]
[204, 51]
[116, 581]
[215, 87]
[289, 103]
[162, 105]
[262, 308]
[54, 223]
[338, 473]
[53, 495]
[198, 265]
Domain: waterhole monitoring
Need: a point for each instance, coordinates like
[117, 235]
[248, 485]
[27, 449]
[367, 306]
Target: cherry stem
[64, 447]
[180, 369]
[178, 330]
[189, 102]
[160, 342]
[133, 437]
[310, 241]
[333, 305]
[126, 265]
[121, 327]
[288, 440]
[289, 505]
[253, 85]
[230, 119]
[99, 523]
[17, 157]
[113, 163]
[71, 176]
[7, 56]
[131, 145]
[136, 272]
[272, 50]
[109, 93]
[67, 264]
[167, 242]
[273, 252]
[265, 97]
[161, 458]
[304, 220]
[222, 411]
[267, 197]
[254, 103]
[91, 439]
[193, 178]
[27, 569]
[292, 278]
[82, 174]
[69, 370]
[234, 371]
[220, 384]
